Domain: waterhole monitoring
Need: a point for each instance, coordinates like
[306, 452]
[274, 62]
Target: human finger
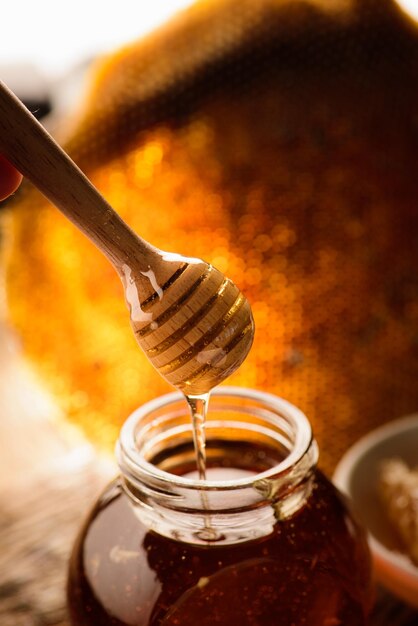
[10, 178]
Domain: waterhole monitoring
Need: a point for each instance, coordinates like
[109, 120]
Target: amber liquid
[198, 408]
[312, 569]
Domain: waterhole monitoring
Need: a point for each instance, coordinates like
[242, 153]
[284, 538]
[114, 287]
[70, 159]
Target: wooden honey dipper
[194, 324]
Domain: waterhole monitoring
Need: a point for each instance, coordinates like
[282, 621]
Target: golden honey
[266, 540]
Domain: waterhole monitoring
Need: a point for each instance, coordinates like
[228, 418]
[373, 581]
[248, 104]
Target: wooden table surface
[49, 477]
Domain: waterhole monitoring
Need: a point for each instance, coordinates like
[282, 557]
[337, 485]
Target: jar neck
[260, 458]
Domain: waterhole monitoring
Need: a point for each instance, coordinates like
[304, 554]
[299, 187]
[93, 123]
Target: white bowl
[357, 476]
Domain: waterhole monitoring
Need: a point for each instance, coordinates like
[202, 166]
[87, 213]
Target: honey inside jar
[265, 540]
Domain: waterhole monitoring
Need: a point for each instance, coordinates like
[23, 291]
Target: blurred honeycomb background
[277, 139]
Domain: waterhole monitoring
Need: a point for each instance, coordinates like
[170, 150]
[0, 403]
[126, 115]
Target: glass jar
[265, 540]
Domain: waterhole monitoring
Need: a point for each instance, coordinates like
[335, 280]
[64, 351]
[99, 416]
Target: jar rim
[131, 459]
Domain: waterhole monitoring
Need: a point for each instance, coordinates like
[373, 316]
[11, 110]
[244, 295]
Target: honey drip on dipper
[192, 322]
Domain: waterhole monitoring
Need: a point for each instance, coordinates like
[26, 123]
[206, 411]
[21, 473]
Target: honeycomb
[279, 143]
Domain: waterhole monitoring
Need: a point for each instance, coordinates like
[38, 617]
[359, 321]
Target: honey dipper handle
[32, 150]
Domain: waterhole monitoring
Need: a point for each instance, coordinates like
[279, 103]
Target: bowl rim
[359, 449]
[382, 555]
